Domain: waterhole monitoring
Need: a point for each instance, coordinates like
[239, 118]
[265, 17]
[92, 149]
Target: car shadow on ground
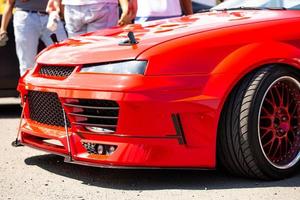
[10, 111]
[138, 179]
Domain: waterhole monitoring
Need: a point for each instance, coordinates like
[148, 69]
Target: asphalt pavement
[26, 173]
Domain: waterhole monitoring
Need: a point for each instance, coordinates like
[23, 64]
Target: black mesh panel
[45, 108]
[56, 71]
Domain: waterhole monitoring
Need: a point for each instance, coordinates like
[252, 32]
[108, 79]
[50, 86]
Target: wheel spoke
[270, 142]
[270, 117]
[295, 110]
[264, 110]
[290, 143]
[266, 128]
[276, 148]
[293, 132]
[282, 94]
[266, 133]
[272, 96]
[278, 96]
[286, 141]
[269, 102]
[287, 99]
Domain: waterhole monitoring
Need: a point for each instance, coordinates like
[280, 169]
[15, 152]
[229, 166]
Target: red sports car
[177, 93]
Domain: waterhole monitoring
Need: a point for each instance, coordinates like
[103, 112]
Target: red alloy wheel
[279, 123]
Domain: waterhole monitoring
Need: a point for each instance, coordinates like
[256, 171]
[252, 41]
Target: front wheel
[259, 131]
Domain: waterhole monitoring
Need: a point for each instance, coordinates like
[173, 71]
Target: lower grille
[45, 108]
[56, 71]
[102, 114]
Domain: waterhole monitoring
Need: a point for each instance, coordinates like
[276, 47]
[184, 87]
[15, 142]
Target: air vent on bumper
[98, 116]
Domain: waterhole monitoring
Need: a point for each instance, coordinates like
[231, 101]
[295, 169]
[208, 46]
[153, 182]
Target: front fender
[251, 56]
[239, 63]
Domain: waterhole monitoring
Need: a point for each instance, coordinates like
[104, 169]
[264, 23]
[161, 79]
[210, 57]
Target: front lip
[70, 160]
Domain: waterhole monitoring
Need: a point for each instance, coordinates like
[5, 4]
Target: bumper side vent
[45, 108]
[94, 115]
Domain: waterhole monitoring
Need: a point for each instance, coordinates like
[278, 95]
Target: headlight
[127, 67]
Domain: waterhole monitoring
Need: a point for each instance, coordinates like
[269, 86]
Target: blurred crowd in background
[204, 2]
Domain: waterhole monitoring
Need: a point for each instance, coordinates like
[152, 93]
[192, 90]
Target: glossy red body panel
[193, 64]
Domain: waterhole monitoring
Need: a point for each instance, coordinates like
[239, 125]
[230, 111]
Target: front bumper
[147, 134]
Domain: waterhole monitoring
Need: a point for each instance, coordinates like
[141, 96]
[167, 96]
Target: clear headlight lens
[127, 67]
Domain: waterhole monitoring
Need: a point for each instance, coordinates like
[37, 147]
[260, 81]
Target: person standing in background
[82, 16]
[160, 9]
[30, 25]
[7, 14]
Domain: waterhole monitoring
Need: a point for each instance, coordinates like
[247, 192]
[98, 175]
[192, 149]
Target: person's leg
[46, 33]
[26, 37]
[61, 32]
[74, 20]
[100, 16]
[113, 16]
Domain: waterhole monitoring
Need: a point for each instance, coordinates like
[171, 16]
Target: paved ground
[30, 174]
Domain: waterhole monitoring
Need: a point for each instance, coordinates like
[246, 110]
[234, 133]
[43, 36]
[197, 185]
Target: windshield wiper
[203, 10]
[251, 8]
[275, 8]
[240, 8]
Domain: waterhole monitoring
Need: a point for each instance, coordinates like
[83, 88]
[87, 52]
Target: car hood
[104, 46]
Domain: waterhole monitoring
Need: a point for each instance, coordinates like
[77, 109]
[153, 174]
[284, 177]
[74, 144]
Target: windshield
[260, 4]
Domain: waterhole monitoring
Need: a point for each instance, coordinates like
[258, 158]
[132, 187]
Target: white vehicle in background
[203, 4]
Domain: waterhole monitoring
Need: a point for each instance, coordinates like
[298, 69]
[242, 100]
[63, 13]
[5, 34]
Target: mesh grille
[45, 108]
[56, 71]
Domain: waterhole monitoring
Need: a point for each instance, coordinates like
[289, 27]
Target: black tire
[241, 148]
